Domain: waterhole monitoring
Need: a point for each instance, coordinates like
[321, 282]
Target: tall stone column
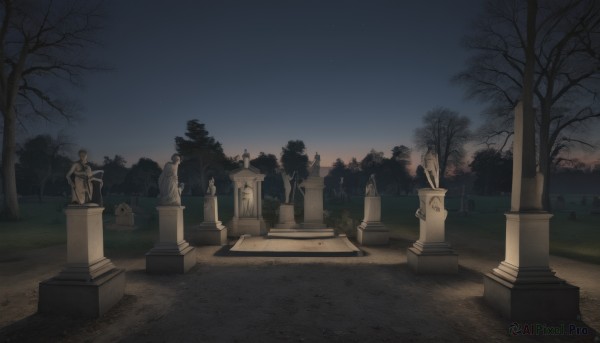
[172, 254]
[523, 287]
[431, 253]
[90, 284]
[313, 203]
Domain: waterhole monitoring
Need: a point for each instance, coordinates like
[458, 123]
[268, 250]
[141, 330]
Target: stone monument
[211, 231]
[371, 231]
[124, 215]
[313, 196]
[523, 287]
[172, 254]
[431, 254]
[286, 209]
[90, 284]
[247, 200]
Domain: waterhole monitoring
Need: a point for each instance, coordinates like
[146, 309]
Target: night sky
[343, 76]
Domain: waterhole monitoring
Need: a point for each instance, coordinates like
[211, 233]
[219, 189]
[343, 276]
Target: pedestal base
[372, 234]
[208, 234]
[432, 258]
[247, 226]
[170, 258]
[515, 301]
[313, 226]
[79, 298]
[286, 217]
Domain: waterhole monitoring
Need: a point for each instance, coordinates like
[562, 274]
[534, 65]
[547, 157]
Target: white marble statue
[212, 189]
[247, 200]
[371, 188]
[315, 167]
[168, 183]
[246, 158]
[287, 185]
[431, 167]
[85, 186]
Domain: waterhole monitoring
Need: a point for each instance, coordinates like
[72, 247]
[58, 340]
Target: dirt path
[374, 298]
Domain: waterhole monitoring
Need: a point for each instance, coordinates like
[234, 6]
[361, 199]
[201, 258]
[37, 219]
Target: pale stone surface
[90, 284]
[286, 217]
[315, 167]
[301, 233]
[371, 188]
[211, 231]
[371, 231]
[212, 189]
[124, 215]
[287, 185]
[168, 183]
[313, 202]
[247, 200]
[262, 246]
[172, 254]
[523, 286]
[431, 254]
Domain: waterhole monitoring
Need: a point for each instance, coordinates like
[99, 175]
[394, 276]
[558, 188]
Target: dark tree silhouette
[42, 160]
[493, 171]
[563, 56]
[201, 153]
[39, 41]
[294, 159]
[268, 165]
[142, 178]
[115, 172]
[447, 132]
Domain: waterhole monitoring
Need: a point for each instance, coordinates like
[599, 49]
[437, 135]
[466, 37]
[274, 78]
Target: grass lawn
[44, 223]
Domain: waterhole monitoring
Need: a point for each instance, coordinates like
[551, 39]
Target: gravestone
[211, 231]
[371, 231]
[90, 284]
[313, 197]
[124, 215]
[523, 287]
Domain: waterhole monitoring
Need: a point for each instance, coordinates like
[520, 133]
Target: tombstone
[90, 284]
[124, 215]
[247, 200]
[172, 253]
[371, 231]
[523, 286]
[211, 231]
[313, 197]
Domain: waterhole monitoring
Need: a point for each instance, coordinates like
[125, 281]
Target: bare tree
[447, 132]
[40, 42]
[565, 53]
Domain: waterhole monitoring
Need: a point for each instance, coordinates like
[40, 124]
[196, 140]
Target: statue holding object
[86, 187]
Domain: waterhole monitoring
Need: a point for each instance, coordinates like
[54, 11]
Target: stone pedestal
[431, 254]
[286, 217]
[523, 287]
[371, 231]
[172, 254]
[211, 231]
[313, 202]
[90, 284]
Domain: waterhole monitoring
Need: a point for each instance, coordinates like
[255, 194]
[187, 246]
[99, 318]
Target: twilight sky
[344, 76]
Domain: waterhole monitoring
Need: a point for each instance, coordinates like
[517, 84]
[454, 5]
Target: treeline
[44, 160]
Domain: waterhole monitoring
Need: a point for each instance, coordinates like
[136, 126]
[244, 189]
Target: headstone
[371, 231]
[247, 200]
[90, 284]
[523, 287]
[211, 231]
[124, 215]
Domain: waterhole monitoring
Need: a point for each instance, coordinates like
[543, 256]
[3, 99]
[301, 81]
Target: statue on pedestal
[432, 168]
[168, 183]
[85, 186]
[247, 200]
[315, 167]
[287, 185]
[371, 188]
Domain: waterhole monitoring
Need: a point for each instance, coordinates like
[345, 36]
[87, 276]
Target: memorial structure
[247, 200]
[371, 231]
[431, 254]
[523, 286]
[172, 254]
[313, 196]
[211, 231]
[90, 284]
